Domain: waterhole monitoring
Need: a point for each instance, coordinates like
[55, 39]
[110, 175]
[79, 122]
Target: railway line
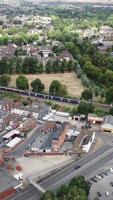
[50, 97]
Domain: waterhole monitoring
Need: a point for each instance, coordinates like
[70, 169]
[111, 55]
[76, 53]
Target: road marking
[84, 158]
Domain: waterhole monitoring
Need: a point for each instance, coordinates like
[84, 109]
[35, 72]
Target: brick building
[30, 123]
[59, 136]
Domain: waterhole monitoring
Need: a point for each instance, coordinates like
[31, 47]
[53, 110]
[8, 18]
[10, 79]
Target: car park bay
[102, 188]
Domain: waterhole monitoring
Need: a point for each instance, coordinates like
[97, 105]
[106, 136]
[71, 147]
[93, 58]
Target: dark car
[77, 166]
[89, 182]
[101, 175]
[99, 194]
[112, 184]
[94, 179]
[105, 173]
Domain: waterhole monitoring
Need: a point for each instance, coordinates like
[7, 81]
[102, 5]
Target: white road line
[44, 181]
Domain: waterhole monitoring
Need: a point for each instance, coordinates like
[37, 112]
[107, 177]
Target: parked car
[94, 179]
[107, 194]
[112, 184]
[105, 173]
[89, 182]
[99, 193]
[111, 170]
[99, 177]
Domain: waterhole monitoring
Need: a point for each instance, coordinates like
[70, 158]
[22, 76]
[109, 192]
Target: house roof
[7, 181]
[65, 54]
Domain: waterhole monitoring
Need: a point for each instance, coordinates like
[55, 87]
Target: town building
[65, 55]
[107, 125]
[93, 118]
[59, 136]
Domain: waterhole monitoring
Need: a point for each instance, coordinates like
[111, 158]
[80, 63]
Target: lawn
[74, 85]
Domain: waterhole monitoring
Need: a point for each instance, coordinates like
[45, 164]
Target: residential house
[65, 55]
[7, 51]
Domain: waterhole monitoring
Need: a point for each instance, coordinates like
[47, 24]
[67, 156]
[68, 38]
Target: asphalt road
[20, 149]
[89, 164]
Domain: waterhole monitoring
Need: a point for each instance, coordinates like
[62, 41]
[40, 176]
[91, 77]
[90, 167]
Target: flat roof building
[107, 125]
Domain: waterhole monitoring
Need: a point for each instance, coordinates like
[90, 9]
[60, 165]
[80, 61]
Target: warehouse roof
[11, 133]
[7, 181]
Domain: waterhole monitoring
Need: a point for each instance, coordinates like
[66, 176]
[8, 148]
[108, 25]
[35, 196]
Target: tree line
[30, 65]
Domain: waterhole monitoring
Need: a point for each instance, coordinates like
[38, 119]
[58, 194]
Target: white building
[88, 141]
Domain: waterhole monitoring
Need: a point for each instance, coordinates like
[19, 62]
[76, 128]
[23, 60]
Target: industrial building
[107, 125]
[93, 118]
[59, 136]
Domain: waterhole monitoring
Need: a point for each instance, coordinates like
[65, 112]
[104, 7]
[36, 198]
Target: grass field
[73, 84]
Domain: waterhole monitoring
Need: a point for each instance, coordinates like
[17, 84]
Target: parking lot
[102, 185]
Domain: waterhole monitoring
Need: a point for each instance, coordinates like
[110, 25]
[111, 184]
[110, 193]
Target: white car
[99, 177]
[111, 170]
[107, 194]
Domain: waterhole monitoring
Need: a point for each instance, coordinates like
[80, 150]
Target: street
[89, 164]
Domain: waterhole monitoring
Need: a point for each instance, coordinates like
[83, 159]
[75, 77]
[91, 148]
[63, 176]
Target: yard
[74, 85]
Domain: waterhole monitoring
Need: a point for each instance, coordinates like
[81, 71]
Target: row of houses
[42, 53]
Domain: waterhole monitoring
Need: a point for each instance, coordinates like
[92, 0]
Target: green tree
[57, 89]
[62, 192]
[85, 108]
[76, 193]
[37, 86]
[49, 67]
[49, 196]
[3, 66]
[4, 80]
[40, 68]
[29, 65]
[22, 83]
[111, 111]
[87, 95]
[80, 182]
[109, 95]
